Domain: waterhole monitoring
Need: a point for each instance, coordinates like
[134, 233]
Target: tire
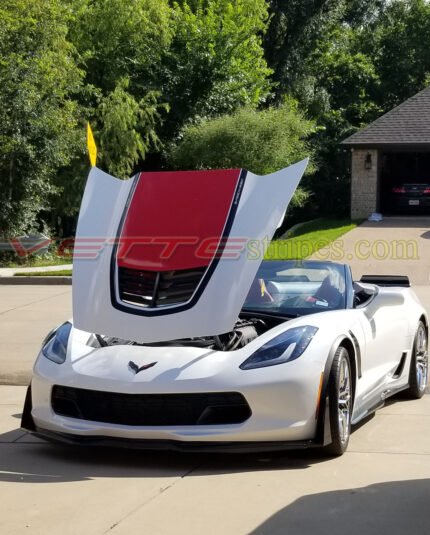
[418, 371]
[340, 402]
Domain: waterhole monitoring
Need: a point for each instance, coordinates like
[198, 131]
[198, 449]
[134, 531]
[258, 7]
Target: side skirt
[379, 404]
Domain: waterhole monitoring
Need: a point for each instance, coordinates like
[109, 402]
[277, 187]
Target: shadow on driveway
[25, 460]
[394, 508]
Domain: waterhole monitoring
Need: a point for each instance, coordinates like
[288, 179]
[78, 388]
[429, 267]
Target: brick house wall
[364, 184]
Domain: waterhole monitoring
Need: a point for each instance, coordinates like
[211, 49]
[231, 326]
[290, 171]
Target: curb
[36, 280]
[17, 378]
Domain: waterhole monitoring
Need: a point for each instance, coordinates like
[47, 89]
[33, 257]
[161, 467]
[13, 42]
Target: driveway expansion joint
[152, 498]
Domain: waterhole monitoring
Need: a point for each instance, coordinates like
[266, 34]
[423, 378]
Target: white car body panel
[189, 370]
[283, 398]
[257, 217]
[120, 360]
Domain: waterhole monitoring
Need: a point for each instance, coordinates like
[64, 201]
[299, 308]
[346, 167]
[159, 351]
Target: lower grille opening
[150, 409]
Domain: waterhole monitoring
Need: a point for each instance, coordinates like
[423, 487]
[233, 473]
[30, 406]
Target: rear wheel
[340, 402]
[418, 372]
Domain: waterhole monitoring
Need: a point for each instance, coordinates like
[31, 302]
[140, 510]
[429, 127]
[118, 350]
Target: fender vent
[152, 289]
[400, 367]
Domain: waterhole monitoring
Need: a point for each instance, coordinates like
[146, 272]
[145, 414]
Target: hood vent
[153, 289]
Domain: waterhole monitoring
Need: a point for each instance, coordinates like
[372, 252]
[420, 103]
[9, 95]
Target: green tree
[399, 44]
[119, 39]
[321, 55]
[197, 59]
[127, 129]
[215, 63]
[152, 66]
[120, 45]
[38, 116]
[295, 29]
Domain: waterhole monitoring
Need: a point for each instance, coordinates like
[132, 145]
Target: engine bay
[247, 328]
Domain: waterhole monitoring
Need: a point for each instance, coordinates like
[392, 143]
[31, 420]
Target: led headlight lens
[286, 347]
[55, 345]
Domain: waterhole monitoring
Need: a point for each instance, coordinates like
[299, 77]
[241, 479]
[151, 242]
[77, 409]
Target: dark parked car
[415, 195]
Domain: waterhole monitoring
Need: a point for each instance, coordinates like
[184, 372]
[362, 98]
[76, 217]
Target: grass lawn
[37, 261]
[305, 240]
[309, 238]
[61, 273]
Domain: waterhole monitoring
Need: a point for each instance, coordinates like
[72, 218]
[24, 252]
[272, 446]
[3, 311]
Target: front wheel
[340, 402]
[418, 372]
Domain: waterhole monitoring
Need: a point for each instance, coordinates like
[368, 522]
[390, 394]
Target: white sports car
[183, 338]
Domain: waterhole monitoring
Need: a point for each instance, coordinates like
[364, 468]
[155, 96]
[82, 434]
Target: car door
[385, 332]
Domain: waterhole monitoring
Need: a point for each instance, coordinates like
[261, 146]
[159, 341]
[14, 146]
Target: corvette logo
[134, 367]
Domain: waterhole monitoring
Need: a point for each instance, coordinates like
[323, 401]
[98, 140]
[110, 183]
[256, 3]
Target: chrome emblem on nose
[135, 368]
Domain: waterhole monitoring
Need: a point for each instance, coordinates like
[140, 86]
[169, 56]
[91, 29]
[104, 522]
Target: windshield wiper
[287, 315]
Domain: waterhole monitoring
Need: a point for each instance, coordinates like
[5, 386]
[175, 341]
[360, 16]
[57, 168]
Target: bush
[261, 141]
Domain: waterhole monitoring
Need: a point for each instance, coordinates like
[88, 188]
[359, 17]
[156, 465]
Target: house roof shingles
[407, 124]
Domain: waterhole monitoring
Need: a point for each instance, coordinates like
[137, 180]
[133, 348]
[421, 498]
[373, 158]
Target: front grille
[157, 288]
[150, 409]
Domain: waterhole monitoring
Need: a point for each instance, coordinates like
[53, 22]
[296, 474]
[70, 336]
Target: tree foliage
[216, 61]
[119, 39]
[127, 129]
[121, 44]
[38, 118]
[195, 83]
[152, 66]
[138, 70]
[399, 43]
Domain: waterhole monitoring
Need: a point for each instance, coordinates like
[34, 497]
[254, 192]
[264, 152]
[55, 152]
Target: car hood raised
[173, 254]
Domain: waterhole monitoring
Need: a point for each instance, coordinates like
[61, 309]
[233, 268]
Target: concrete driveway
[27, 314]
[381, 485]
[394, 246]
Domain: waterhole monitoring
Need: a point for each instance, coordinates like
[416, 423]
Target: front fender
[323, 434]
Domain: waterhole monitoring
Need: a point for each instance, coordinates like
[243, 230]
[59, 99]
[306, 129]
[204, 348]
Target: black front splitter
[171, 445]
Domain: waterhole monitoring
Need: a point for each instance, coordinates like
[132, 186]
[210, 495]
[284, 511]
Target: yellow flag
[91, 145]
[262, 287]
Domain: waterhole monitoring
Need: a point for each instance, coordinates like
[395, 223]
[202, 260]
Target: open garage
[390, 161]
[404, 183]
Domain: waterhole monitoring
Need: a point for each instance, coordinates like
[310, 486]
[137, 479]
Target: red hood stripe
[175, 219]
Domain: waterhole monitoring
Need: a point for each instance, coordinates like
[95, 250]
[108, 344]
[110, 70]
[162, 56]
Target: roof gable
[407, 124]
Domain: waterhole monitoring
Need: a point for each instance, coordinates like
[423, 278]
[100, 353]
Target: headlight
[286, 347]
[55, 344]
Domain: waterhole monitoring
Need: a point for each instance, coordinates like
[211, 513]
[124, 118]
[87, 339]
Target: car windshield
[294, 288]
